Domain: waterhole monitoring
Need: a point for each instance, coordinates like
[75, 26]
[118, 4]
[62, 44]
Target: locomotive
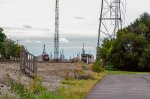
[45, 57]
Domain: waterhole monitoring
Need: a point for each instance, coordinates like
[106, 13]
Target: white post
[87, 60]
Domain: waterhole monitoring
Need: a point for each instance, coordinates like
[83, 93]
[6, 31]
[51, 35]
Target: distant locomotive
[45, 57]
[87, 58]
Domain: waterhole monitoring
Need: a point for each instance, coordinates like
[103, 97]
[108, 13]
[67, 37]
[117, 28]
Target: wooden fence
[28, 62]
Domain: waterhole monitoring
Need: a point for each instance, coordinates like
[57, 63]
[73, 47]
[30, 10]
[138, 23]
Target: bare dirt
[52, 74]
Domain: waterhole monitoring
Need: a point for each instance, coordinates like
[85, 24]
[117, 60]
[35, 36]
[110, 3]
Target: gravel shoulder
[52, 74]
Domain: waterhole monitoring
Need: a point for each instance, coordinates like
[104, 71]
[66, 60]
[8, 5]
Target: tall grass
[35, 90]
[125, 72]
[78, 89]
[36, 86]
[69, 89]
[18, 88]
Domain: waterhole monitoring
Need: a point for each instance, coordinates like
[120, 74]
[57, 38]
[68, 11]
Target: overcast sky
[76, 16]
[26, 19]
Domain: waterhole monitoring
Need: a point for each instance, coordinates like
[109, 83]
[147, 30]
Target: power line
[111, 19]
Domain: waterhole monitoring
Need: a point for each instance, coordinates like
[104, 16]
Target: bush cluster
[130, 50]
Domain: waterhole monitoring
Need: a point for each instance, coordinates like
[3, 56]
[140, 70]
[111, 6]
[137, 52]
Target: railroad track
[18, 61]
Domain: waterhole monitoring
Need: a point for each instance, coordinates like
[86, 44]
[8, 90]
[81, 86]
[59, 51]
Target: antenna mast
[56, 36]
[44, 50]
[83, 50]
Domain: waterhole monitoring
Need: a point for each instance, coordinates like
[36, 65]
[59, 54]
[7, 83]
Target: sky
[32, 22]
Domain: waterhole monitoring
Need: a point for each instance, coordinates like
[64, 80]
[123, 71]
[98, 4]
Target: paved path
[122, 87]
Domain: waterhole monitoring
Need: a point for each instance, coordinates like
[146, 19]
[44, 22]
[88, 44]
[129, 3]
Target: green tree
[98, 66]
[2, 39]
[103, 53]
[105, 50]
[141, 26]
[131, 49]
[2, 36]
[8, 47]
[144, 60]
[11, 49]
[126, 51]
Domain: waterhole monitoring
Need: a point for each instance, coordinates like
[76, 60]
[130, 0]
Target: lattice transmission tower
[56, 35]
[111, 19]
[44, 50]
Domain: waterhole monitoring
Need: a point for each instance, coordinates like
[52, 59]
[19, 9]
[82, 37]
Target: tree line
[130, 50]
[8, 47]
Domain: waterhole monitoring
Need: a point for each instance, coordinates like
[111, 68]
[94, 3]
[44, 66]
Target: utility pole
[63, 56]
[111, 19]
[17, 41]
[83, 50]
[44, 50]
[51, 56]
[56, 36]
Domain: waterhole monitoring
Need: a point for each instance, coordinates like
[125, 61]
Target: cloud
[27, 41]
[79, 47]
[64, 40]
[27, 26]
[79, 18]
[32, 41]
[37, 41]
[28, 34]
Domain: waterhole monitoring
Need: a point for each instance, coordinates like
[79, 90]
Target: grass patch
[78, 89]
[7, 96]
[35, 90]
[36, 86]
[69, 89]
[125, 72]
[19, 89]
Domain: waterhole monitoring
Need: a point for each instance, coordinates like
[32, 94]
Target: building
[87, 58]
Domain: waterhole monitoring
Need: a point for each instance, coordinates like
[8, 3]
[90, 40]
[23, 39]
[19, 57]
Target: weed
[98, 67]
[6, 96]
[78, 89]
[68, 82]
[48, 95]
[18, 88]
[15, 86]
[36, 85]
[125, 72]
[71, 88]
[67, 74]
[85, 67]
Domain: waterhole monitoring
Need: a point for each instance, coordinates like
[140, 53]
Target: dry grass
[79, 89]
[74, 86]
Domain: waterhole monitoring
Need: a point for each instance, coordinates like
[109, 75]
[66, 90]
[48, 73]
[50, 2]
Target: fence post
[22, 61]
[35, 64]
[28, 62]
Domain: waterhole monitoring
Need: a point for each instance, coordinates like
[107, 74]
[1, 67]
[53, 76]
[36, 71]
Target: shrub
[36, 85]
[7, 96]
[85, 67]
[98, 67]
[17, 87]
[67, 74]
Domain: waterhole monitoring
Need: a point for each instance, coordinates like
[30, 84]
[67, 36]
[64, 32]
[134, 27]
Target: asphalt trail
[122, 87]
